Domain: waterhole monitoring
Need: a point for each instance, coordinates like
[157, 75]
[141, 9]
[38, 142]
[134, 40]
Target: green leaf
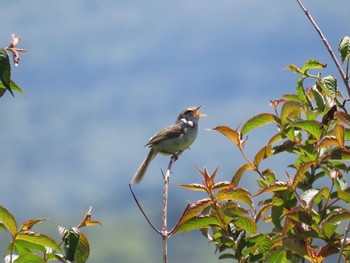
[312, 127]
[38, 239]
[301, 92]
[344, 48]
[329, 85]
[344, 195]
[278, 257]
[232, 134]
[312, 64]
[29, 257]
[258, 121]
[241, 170]
[235, 194]
[198, 223]
[328, 229]
[274, 187]
[5, 70]
[193, 187]
[293, 68]
[320, 101]
[290, 109]
[195, 209]
[262, 154]
[338, 216]
[82, 251]
[301, 173]
[70, 238]
[8, 221]
[13, 85]
[246, 224]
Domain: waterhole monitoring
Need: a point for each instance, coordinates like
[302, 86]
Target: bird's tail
[142, 169]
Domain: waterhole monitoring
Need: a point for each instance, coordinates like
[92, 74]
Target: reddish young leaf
[235, 194]
[274, 187]
[262, 154]
[241, 170]
[193, 187]
[339, 134]
[28, 225]
[301, 173]
[195, 209]
[327, 141]
[199, 222]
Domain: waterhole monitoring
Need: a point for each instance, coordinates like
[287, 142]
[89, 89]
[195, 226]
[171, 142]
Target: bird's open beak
[197, 113]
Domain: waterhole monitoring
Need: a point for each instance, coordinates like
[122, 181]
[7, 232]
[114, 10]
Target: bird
[172, 140]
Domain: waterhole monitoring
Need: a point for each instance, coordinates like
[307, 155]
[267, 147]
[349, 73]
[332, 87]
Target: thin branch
[143, 212]
[344, 241]
[342, 74]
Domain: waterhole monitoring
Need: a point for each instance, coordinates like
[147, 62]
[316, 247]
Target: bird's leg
[176, 155]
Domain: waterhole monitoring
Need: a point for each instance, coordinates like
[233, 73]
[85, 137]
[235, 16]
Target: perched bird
[173, 139]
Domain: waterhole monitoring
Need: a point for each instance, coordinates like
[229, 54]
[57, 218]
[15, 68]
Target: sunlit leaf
[344, 48]
[28, 225]
[29, 257]
[195, 209]
[258, 121]
[301, 92]
[338, 216]
[199, 222]
[246, 224]
[301, 173]
[312, 127]
[262, 154]
[235, 194]
[39, 239]
[82, 251]
[8, 220]
[240, 171]
[193, 187]
[328, 229]
[312, 64]
[344, 195]
[293, 68]
[276, 138]
[221, 185]
[327, 141]
[329, 85]
[339, 134]
[308, 196]
[13, 85]
[278, 257]
[320, 101]
[232, 134]
[290, 109]
[342, 117]
[274, 187]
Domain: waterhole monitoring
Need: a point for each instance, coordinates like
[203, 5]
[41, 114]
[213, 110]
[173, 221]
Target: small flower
[14, 50]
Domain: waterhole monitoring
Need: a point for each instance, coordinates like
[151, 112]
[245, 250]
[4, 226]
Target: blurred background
[101, 77]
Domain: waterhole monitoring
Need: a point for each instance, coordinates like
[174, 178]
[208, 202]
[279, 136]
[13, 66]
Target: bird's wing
[170, 132]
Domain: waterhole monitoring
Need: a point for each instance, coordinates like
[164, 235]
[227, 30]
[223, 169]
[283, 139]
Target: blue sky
[101, 77]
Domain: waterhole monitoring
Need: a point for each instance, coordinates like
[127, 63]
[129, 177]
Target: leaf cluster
[304, 212]
[28, 245]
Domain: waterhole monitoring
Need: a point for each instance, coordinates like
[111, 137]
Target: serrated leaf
[262, 154]
[199, 222]
[193, 187]
[235, 194]
[312, 127]
[274, 187]
[258, 121]
[241, 170]
[5, 70]
[312, 64]
[290, 109]
[232, 134]
[29, 257]
[39, 239]
[246, 224]
[344, 48]
[301, 173]
[82, 251]
[8, 221]
[195, 209]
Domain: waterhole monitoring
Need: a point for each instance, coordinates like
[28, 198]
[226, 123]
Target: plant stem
[341, 72]
[165, 233]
